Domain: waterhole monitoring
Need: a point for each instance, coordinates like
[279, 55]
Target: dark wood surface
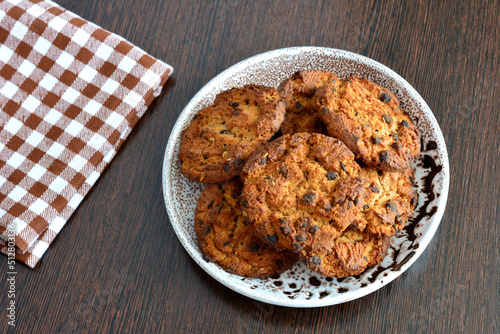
[118, 267]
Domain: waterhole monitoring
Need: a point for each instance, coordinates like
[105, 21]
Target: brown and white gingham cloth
[70, 93]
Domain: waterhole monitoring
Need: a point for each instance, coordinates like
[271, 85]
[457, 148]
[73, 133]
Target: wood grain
[117, 266]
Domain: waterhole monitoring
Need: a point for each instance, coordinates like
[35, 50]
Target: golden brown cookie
[298, 95]
[388, 203]
[301, 191]
[226, 238]
[352, 253]
[222, 136]
[367, 118]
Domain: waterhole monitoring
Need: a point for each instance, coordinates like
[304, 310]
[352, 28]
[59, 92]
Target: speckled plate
[300, 287]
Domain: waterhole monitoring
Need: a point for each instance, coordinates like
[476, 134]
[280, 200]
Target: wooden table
[118, 267]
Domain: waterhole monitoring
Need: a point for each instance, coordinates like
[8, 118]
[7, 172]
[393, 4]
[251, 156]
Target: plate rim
[441, 202]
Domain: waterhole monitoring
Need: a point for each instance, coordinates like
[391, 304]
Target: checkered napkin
[70, 93]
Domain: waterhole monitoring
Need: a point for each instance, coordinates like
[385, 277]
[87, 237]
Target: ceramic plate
[300, 287]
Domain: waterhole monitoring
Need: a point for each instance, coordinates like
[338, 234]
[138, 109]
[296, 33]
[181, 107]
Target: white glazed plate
[300, 287]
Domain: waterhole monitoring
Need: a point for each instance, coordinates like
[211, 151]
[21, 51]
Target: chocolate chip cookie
[222, 136]
[352, 253]
[225, 237]
[301, 191]
[367, 118]
[298, 95]
[388, 203]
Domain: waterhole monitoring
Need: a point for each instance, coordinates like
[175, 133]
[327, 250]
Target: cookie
[298, 95]
[367, 118]
[301, 191]
[222, 136]
[226, 238]
[389, 201]
[352, 253]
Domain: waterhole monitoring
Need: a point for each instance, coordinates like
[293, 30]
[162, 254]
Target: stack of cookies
[330, 190]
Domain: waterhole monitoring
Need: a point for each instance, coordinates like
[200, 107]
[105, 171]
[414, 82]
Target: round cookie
[222, 136]
[298, 95]
[301, 191]
[367, 118]
[352, 253]
[388, 203]
[226, 238]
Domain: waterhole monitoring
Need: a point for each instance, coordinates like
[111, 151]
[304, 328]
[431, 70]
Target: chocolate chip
[366, 206]
[405, 124]
[227, 167]
[315, 260]
[395, 136]
[285, 230]
[206, 229]
[297, 247]
[244, 204]
[298, 105]
[235, 112]
[325, 110]
[349, 204]
[283, 171]
[375, 140]
[387, 119]
[327, 207]
[224, 132]
[306, 222]
[309, 198]
[384, 97]
[263, 161]
[342, 200]
[342, 166]
[396, 146]
[331, 175]
[268, 178]
[205, 257]
[374, 189]
[392, 206]
[283, 220]
[272, 238]
[300, 238]
[254, 247]
[384, 155]
[414, 200]
[356, 201]
[238, 162]
[200, 222]
[314, 229]
[205, 156]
